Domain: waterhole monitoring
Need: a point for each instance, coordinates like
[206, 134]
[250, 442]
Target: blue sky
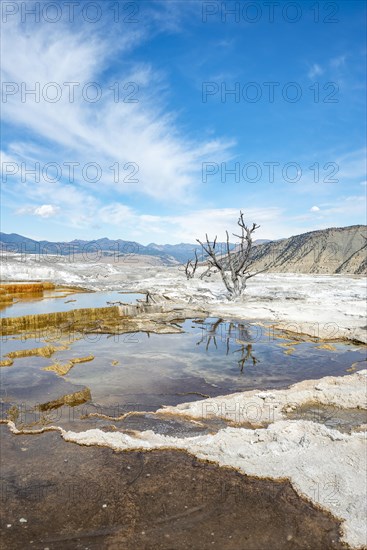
[186, 154]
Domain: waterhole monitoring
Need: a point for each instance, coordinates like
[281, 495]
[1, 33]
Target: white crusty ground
[324, 465]
[263, 407]
[325, 306]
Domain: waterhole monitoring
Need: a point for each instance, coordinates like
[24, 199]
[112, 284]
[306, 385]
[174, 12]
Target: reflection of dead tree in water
[212, 333]
[241, 336]
[245, 349]
[246, 356]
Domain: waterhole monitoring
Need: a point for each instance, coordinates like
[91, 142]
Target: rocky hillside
[334, 250]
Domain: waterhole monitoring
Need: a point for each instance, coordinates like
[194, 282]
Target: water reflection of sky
[211, 357]
[51, 302]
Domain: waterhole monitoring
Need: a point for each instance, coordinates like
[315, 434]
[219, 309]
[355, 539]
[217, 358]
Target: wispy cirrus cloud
[142, 133]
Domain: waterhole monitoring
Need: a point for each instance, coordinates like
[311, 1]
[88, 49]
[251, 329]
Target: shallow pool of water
[61, 300]
[344, 420]
[143, 372]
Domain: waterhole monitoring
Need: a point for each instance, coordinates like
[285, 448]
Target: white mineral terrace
[325, 306]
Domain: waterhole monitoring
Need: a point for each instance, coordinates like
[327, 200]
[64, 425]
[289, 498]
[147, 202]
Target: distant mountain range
[334, 250]
[168, 253]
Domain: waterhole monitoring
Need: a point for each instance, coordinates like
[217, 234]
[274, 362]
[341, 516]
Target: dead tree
[208, 272]
[191, 266]
[234, 265]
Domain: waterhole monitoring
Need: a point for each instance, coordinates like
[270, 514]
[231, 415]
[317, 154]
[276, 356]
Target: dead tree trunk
[234, 266]
[191, 266]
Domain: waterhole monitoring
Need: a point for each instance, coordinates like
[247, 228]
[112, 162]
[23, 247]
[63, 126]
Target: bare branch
[237, 262]
[191, 266]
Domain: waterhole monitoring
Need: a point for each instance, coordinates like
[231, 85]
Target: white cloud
[188, 226]
[105, 132]
[347, 207]
[46, 211]
[121, 221]
[315, 70]
[43, 211]
[117, 214]
[343, 211]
